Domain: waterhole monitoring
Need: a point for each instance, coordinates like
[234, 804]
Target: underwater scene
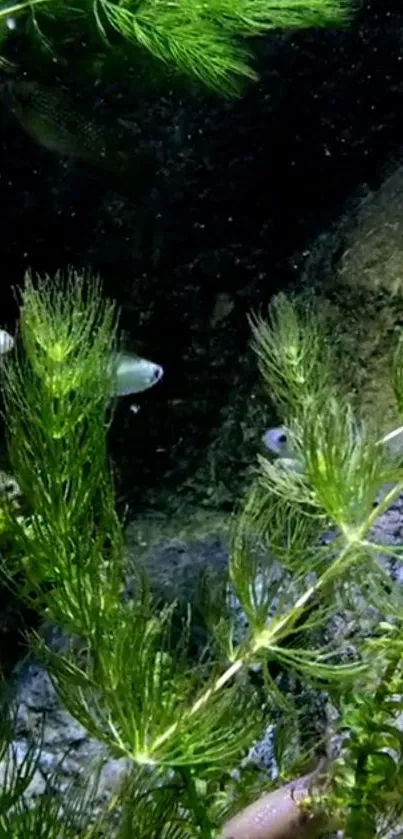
[201, 419]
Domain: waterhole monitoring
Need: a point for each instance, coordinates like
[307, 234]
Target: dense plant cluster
[185, 725]
[203, 41]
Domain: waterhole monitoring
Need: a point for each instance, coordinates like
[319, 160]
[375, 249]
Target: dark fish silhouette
[55, 121]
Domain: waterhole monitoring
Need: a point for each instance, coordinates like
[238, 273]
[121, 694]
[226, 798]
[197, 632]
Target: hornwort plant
[205, 42]
[186, 725]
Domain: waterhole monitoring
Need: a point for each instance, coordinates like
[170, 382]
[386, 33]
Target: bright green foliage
[342, 465]
[368, 775]
[293, 355]
[124, 677]
[56, 389]
[202, 40]
[121, 676]
[146, 703]
[335, 481]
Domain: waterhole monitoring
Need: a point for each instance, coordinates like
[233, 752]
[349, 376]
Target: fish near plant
[6, 341]
[184, 729]
[279, 442]
[281, 814]
[346, 478]
[130, 373]
[133, 374]
[58, 123]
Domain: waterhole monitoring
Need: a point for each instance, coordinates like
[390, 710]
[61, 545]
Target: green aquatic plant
[368, 774]
[204, 41]
[185, 725]
[342, 480]
[20, 817]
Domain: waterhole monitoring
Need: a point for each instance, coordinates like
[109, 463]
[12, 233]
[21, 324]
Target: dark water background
[243, 190]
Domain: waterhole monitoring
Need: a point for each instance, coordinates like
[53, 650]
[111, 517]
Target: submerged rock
[357, 268]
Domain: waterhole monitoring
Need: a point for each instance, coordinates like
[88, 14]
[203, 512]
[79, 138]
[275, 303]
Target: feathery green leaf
[203, 40]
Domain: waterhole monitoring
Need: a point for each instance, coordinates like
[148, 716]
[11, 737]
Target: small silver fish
[277, 441]
[6, 341]
[134, 374]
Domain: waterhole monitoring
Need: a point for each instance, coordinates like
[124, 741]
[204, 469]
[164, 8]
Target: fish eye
[282, 437]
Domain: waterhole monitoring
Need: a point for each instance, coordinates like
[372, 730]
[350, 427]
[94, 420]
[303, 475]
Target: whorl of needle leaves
[201, 40]
[184, 727]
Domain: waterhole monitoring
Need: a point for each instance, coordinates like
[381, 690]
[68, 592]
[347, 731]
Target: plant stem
[199, 815]
[382, 506]
[269, 635]
[20, 7]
